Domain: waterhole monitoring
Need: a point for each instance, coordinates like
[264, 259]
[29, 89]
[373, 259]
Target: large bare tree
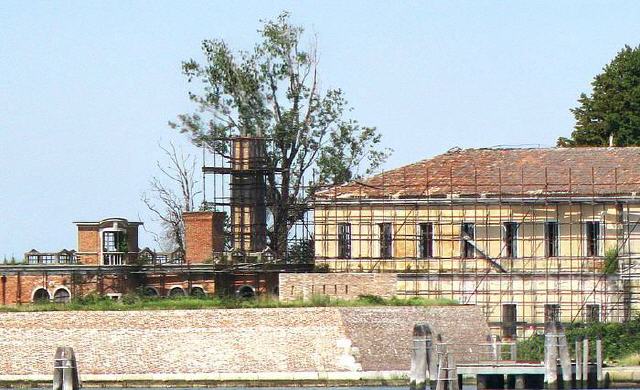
[170, 194]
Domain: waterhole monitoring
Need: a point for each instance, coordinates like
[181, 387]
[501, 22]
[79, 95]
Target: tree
[613, 108]
[274, 91]
[171, 195]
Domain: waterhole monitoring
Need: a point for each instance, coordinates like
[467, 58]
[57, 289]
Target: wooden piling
[565, 357]
[65, 370]
[579, 361]
[418, 373]
[550, 356]
[599, 373]
[585, 362]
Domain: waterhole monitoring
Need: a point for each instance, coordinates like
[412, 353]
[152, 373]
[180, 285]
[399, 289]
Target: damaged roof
[490, 173]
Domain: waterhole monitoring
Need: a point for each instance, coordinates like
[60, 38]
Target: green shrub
[611, 261]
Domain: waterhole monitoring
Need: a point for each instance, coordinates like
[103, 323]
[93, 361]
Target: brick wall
[219, 341]
[203, 235]
[336, 285]
[88, 242]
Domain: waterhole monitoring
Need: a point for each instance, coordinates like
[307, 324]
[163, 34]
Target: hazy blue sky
[87, 87]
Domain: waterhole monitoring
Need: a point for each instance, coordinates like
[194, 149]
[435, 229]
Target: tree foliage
[274, 91]
[613, 108]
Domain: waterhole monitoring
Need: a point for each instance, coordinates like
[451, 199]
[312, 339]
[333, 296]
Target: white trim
[152, 288]
[184, 293]
[53, 297]
[33, 292]
[197, 286]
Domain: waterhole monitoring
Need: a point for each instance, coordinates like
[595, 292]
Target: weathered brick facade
[204, 235]
[229, 341]
[336, 285]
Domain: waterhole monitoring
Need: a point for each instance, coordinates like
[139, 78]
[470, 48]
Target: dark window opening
[344, 240]
[198, 292]
[176, 292]
[386, 240]
[509, 320]
[41, 296]
[592, 313]
[246, 292]
[551, 313]
[510, 239]
[468, 233]
[592, 235]
[150, 292]
[61, 296]
[551, 239]
[426, 240]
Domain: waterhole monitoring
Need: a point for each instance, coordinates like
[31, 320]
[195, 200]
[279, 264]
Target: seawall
[307, 345]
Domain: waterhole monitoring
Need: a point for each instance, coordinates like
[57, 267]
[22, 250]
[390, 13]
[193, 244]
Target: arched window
[41, 295]
[150, 292]
[198, 292]
[246, 292]
[176, 292]
[61, 296]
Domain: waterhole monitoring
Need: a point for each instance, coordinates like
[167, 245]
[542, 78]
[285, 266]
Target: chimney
[203, 235]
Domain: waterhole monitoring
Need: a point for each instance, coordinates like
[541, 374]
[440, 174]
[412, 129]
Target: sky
[87, 87]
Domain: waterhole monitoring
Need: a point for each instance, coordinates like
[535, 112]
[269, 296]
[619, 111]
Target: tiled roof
[505, 172]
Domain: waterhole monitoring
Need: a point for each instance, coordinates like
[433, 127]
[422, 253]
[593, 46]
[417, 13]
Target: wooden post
[585, 362]
[65, 370]
[418, 375]
[579, 361]
[565, 357]
[599, 375]
[550, 356]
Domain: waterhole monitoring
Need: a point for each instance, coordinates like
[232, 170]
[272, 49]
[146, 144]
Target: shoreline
[628, 377]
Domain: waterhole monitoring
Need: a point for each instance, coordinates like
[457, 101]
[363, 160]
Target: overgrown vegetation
[620, 341]
[611, 261]
[94, 302]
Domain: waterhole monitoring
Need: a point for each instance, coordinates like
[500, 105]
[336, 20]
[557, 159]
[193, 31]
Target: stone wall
[227, 341]
[336, 285]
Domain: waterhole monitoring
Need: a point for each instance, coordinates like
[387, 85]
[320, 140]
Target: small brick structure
[229, 341]
[204, 235]
[336, 285]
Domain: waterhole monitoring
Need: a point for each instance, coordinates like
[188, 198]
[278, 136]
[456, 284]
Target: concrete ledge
[266, 379]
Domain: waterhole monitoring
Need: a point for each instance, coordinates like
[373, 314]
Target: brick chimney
[203, 235]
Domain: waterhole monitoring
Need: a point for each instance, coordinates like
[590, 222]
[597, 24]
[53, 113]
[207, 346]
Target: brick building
[109, 261]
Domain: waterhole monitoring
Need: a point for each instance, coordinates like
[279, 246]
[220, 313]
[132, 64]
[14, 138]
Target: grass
[136, 302]
[632, 359]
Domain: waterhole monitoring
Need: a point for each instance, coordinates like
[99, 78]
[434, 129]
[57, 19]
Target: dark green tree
[613, 108]
[274, 91]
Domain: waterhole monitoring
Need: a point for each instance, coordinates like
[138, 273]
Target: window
[61, 296]
[426, 240]
[551, 313]
[592, 237]
[509, 318]
[551, 239]
[592, 313]
[468, 233]
[344, 240]
[41, 296]
[386, 240]
[109, 242]
[510, 239]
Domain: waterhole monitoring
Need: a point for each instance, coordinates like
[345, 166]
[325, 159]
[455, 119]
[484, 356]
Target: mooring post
[565, 357]
[495, 347]
[585, 362]
[418, 374]
[514, 350]
[550, 356]
[578, 361]
[599, 375]
[65, 370]
[432, 359]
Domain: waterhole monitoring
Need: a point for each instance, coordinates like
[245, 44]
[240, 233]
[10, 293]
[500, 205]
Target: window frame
[344, 240]
[510, 243]
[465, 245]
[548, 244]
[425, 251]
[385, 240]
